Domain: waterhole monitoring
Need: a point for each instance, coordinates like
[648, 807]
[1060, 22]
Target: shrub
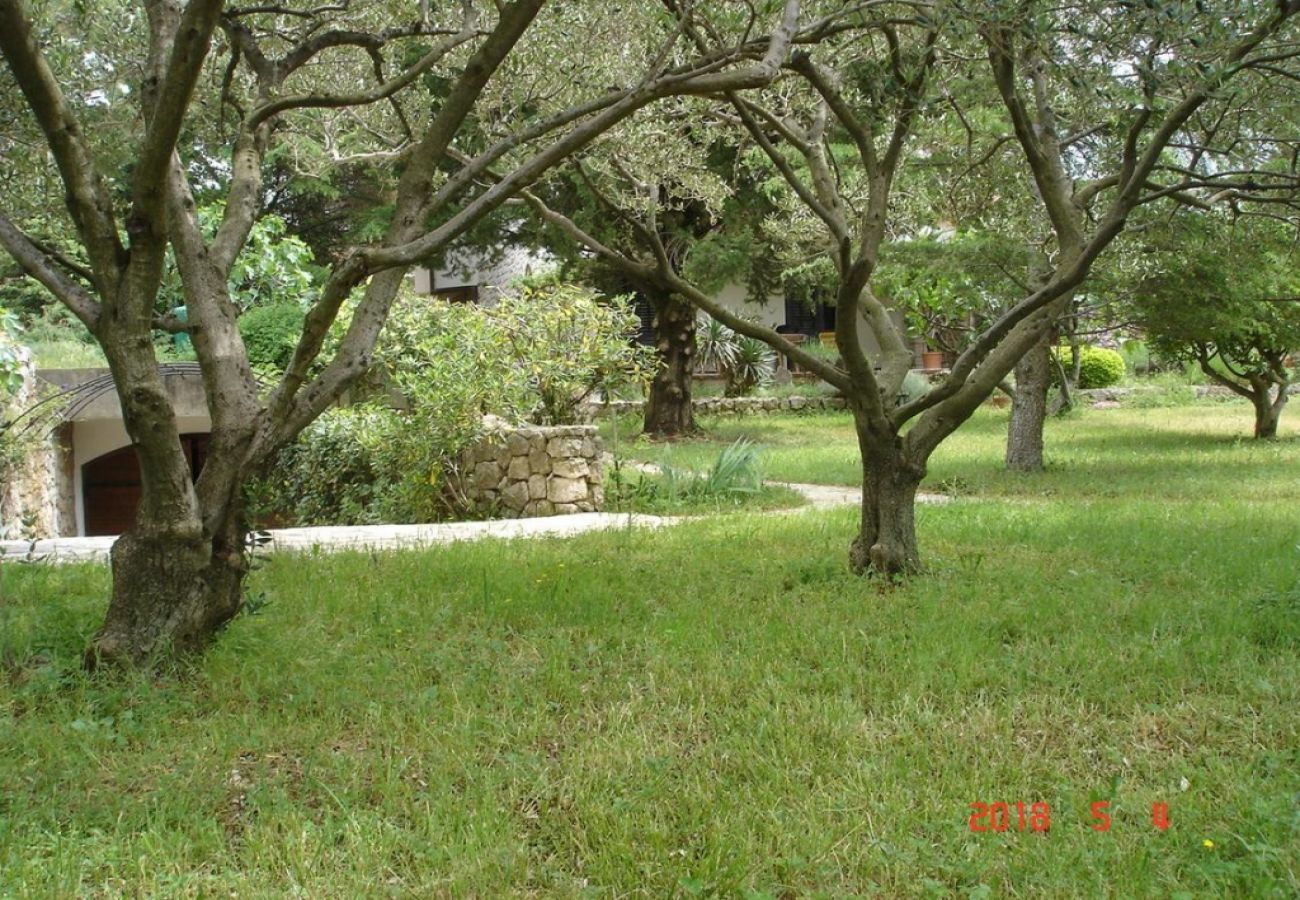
[536, 356]
[271, 332]
[570, 343]
[331, 474]
[1098, 367]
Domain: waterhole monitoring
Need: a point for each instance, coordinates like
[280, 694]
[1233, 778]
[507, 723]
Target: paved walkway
[388, 537]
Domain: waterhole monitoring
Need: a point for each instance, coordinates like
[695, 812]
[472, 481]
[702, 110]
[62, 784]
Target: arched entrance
[110, 485]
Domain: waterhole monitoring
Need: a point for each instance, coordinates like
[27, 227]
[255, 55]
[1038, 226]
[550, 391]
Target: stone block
[537, 487]
[570, 467]
[518, 470]
[566, 509]
[517, 442]
[541, 508]
[564, 446]
[515, 495]
[487, 475]
[539, 462]
[565, 490]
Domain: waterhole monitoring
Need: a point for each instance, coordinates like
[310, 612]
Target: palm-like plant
[744, 362]
[715, 345]
[752, 367]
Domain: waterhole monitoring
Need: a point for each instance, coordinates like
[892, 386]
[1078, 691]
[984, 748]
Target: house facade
[84, 479]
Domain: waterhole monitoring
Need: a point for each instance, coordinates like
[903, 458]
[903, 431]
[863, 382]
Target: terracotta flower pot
[931, 360]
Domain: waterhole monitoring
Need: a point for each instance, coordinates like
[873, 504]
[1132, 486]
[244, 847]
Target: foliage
[271, 332]
[570, 343]
[537, 355]
[946, 285]
[744, 362]
[1099, 367]
[330, 475]
[1223, 295]
[276, 267]
[11, 356]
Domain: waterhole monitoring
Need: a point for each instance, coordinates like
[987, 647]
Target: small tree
[1226, 296]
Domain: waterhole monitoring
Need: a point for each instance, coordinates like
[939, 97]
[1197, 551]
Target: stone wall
[534, 470]
[36, 499]
[733, 406]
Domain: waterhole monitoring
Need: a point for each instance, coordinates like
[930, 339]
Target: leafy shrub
[569, 343]
[447, 365]
[1098, 367]
[330, 475]
[271, 332]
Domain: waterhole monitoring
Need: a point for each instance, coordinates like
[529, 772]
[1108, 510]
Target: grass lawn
[717, 708]
[1175, 450]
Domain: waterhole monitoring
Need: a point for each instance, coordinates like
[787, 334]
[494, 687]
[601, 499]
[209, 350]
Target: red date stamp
[1019, 816]
[1022, 816]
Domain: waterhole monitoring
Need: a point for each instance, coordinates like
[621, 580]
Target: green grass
[1184, 448]
[714, 709]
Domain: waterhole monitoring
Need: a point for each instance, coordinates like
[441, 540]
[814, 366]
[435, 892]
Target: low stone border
[738, 406]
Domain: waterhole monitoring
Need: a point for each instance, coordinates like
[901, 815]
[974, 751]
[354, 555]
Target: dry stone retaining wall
[535, 470]
[29, 499]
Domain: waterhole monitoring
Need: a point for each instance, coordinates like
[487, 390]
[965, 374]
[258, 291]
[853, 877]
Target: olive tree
[207, 96]
[884, 85]
[1226, 296]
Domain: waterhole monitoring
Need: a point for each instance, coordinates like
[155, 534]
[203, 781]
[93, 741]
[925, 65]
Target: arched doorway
[110, 485]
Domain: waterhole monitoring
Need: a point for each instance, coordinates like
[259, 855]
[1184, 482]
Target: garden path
[330, 539]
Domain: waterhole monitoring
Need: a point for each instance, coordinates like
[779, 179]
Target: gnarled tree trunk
[178, 571]
[886, 542]
[1029, 408]
[174, 587]
[1268, 410]
[668, 410]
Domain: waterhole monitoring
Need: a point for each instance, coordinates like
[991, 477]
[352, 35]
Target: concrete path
[390, 537]
[360, 537]
[826, 496]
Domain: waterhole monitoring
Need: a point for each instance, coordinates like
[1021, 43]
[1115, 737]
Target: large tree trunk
[668, 410]
[886, 542]
[178, 571]
[1029, 408]
[1268, 411]
[173, 589]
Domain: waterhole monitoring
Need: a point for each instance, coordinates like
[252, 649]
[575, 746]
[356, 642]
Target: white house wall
[735, 298]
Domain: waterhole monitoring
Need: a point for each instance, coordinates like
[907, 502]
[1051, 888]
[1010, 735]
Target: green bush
[532, 357]
[331, 475]
[271, 332]
[1098, 367]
